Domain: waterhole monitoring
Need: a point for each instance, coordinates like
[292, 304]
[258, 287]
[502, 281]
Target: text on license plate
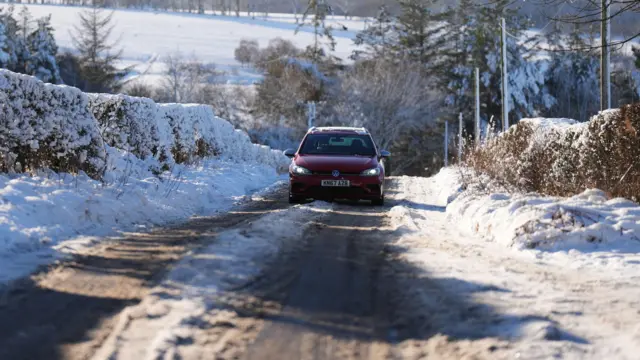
[336, 183]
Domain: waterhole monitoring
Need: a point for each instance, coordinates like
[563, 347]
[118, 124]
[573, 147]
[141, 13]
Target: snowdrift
[589, 221]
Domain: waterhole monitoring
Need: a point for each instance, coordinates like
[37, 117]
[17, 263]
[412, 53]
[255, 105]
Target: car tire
[295, 199]
[378, 202]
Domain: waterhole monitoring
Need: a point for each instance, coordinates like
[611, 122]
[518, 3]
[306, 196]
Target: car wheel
[378, 202]
[295, 199]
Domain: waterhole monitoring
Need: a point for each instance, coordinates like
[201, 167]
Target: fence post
[460, 139]
[446, 143]
[311, 113]
[478, 126]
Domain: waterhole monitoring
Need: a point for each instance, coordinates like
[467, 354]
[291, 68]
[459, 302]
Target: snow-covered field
[147, 37]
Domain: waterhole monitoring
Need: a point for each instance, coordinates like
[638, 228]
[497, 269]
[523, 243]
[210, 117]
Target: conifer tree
[21, 46]
[420, 31]
[376, 40]
[98, 55]
[315, 16]
[43, 51]
[476, 39]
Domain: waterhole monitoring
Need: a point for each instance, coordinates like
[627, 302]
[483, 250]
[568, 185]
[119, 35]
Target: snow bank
[42, 212]
[585, 222]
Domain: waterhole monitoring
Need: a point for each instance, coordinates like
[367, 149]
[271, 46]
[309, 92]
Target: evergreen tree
[636, 53]
[21, 46]
[377, 39]
[11, 43]
[4, 54]
[98, 55]
[315, 16]
[43, 50]
[476, 39]
[572, 76]
[420, 31]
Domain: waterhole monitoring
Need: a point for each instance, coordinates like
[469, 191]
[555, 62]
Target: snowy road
[319, 281]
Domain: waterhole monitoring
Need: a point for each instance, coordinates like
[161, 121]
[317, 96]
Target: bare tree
[295, 6]
[185, 79]
[590, 12]
[247, 52]
[388, 98]
[346, 6]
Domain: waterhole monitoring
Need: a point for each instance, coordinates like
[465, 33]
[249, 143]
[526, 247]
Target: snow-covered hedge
[170, 133]
[63, 129]
[563, 157]
[198, 132]
[46, 126]
[133, 124]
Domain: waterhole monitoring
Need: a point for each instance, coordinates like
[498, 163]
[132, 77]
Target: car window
[338, 144]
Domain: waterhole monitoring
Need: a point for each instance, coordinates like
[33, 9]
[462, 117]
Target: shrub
[65, 130]
[247, 52]
[46, 126]
[132, 124]
[562, 157]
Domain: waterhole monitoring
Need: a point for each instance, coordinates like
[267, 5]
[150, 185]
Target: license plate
[336, 183]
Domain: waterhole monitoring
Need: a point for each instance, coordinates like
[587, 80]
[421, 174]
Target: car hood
[344, 164]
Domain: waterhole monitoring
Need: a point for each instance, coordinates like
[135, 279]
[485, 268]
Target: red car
[337, 163]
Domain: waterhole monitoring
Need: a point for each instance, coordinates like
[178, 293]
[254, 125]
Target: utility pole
[478, 127]
[605, 58]
[460, 139]
[446, 143]
[505, 88]
[311, 113]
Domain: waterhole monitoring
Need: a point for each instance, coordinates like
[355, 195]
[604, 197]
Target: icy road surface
[319, 281]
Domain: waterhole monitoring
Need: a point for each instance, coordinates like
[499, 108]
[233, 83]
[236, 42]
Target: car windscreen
[338, 144]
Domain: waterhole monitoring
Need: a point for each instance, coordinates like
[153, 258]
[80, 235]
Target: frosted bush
[63, 129]
[46, 126]
[563, 157]
[133, 124]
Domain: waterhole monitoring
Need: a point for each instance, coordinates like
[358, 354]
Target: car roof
[338, 130]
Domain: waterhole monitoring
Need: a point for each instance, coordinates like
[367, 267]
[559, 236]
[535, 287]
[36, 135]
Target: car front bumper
[362, 187]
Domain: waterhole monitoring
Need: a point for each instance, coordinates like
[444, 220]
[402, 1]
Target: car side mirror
[290, 153]
[384, 154]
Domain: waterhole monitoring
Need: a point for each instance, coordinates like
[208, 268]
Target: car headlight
[371, 172]
[299, 170]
